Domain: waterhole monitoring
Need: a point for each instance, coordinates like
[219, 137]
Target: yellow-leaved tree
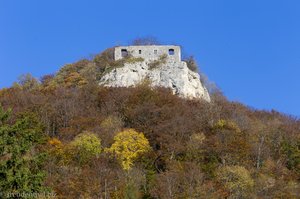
[128, 146]
[85, 146]
[81, 150]
[237, 180]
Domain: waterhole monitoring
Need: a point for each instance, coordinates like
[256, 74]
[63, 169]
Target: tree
[236, 180]
[183, 180]
[20, 157]
[191, 63]
[85, 146]
[230, 143]
[81, 150]
[292, 153]
[109, 127]
[128, 146]
[27, 82]
[74, 79]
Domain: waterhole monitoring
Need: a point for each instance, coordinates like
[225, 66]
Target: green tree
[20, 157]
[292, 153]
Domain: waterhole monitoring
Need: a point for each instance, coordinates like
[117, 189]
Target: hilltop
[161, 65]
[69, 135]
[151, 63]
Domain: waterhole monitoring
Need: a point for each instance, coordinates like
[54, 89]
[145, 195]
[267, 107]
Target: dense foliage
[184, 148]
[20, 158]
[128, 146]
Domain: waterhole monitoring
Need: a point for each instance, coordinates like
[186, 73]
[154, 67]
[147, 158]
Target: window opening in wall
[124, 52]
[155, 52]
[171, 52]
[140, 51]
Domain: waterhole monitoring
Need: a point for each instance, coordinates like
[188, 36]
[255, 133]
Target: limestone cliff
[174, 75]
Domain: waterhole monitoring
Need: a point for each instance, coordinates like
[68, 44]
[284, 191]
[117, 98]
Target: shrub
[132, 60]
[107, 63]
[226, 125]
[156, 63]
[191, 63]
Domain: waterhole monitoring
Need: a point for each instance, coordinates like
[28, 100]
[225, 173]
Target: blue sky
[250, 49]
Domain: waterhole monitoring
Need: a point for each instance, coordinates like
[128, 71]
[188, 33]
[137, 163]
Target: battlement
[149, 52]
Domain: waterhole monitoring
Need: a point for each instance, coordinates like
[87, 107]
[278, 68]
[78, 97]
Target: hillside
[69, 136]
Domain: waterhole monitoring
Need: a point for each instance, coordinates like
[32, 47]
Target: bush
[132, 60]
[226, 125]
[191, 63]
[156, 63]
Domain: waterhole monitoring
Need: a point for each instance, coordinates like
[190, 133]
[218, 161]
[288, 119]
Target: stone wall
[151, 52]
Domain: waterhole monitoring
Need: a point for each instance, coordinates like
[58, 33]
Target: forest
[66, 135]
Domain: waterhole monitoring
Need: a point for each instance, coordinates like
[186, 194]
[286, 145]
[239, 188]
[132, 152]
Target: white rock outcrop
[174, 75]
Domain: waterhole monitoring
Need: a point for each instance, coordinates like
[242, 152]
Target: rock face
[172, 74]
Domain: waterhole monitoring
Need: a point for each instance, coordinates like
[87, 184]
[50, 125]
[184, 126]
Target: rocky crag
[165, 70]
